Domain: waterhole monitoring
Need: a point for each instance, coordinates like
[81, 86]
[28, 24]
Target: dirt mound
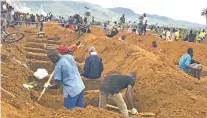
[161, 87]
[172, 50]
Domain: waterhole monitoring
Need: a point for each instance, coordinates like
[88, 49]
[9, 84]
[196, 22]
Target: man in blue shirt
[66, 73]
[189, 65]
[185, 60]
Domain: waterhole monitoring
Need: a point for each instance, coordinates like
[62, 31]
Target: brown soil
[161, 87]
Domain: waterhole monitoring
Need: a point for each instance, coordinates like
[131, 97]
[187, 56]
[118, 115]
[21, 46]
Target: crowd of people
[172, 34]
[138, 28]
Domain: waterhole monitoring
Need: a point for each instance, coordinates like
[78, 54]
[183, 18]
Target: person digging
[111, 87]
[66, 73]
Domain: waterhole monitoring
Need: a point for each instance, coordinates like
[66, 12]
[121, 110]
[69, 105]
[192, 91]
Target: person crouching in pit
[111, 87]
[189, 65]
[93, 65]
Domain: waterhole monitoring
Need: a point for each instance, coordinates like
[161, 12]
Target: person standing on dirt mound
[93, 65]
[189, 65]
[111, 87]
[122, 22]
[144, 27]
[66, 73]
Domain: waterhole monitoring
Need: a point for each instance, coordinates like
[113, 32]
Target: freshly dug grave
[24, 104]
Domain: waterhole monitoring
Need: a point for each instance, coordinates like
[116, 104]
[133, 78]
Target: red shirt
[64, 49]
[73, 47]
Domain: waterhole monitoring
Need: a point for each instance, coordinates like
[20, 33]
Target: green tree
[204, 13]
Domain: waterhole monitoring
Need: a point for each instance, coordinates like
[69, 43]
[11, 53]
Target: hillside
[67, 8]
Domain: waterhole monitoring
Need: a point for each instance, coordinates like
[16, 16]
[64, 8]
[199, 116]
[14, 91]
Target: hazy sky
[189, 10]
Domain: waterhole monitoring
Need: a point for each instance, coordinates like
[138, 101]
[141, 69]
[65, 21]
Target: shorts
[144, 28]
[133, 30]
[27, 20]
[196, 66]
[198, 41]
[72, 102]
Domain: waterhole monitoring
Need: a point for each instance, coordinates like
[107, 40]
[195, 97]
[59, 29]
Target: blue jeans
[71, 102]
[144, 28]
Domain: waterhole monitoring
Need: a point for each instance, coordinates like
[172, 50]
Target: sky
[189, 10]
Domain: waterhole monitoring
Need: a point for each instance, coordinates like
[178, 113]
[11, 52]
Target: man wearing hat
[93, 65]
[111, 87]
[66, 73]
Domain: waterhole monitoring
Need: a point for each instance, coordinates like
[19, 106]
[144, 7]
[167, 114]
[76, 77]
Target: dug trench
[37, 58]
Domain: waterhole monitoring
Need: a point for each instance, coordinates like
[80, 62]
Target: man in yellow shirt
[27, 19]
[203, 35]
[177, 35]
[198, 37]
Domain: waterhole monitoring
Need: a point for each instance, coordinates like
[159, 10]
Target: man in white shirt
[168, 35]
[134, 27]
[144, 23]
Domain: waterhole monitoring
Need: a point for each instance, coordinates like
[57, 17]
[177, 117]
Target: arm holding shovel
[57, 78]
[55, 85]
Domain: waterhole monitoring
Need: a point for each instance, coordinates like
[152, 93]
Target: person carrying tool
[189, 65]
[111, 87]
[66, 73]
[93, 65]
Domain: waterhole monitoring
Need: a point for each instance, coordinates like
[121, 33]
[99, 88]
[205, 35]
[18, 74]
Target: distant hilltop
[67, 8]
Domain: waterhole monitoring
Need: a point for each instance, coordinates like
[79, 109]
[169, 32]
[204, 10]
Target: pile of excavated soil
[161, 87]
[172, 50]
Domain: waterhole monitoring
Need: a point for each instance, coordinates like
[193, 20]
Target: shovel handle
[43, 91]
[7, 92]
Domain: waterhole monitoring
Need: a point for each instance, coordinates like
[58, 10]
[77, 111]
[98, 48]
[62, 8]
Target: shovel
[43, 91]
[146, 114]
